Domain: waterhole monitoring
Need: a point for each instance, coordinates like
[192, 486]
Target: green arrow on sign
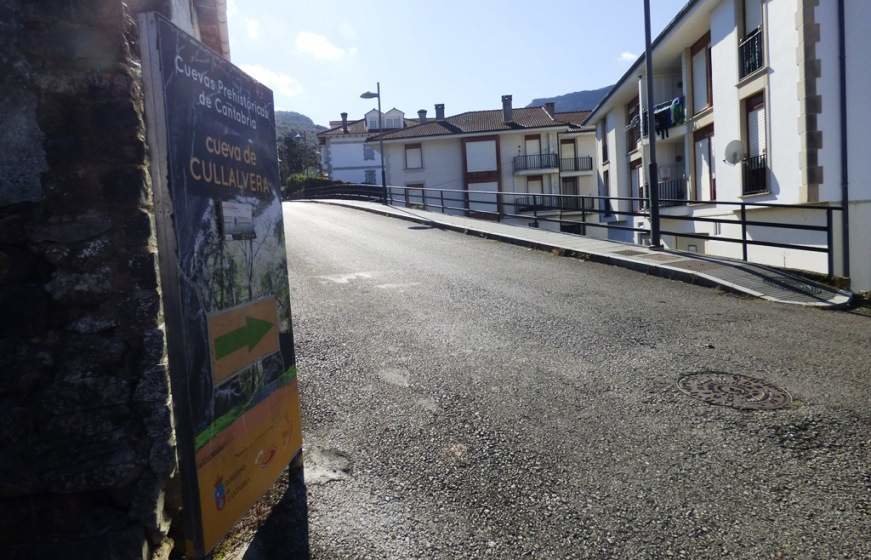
[249, 335]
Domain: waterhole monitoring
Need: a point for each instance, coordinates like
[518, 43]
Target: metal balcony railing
[545, 202]
[750, 53]
[672, 192]
[579, 163]
[755, 174]
[536, 161]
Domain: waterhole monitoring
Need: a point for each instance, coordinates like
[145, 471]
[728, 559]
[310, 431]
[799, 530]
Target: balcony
[580, 163]
[755, 174]
[545, 203]
[750, 53]
[666, 115]
[672, 192]
[536, 162]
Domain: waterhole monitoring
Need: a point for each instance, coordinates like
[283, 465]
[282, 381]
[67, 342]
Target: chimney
[507, 113]
[345, 123]
[440, 111]
[550, 107]
[421, 115]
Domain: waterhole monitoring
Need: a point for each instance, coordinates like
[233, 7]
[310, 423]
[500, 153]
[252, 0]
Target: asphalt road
[465, 398]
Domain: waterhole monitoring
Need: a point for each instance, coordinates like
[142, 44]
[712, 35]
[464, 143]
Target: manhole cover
[628, 252]
[732, 389]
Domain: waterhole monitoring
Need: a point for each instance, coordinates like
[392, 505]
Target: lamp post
[370, 95]
[653, 172]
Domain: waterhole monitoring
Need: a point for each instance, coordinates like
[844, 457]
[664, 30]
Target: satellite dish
[734, 152]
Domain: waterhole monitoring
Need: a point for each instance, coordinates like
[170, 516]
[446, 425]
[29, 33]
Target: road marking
[394, 376]
[397, 286]
[346, 278]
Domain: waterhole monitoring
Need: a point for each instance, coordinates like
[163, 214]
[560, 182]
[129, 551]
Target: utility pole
[370, 95]
[652, 173]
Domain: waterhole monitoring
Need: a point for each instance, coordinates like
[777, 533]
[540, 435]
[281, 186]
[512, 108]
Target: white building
[513, 150]
[345, 156]
[754, 114]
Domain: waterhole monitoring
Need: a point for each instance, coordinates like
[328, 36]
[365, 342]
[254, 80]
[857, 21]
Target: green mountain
[576, 101]
[293, 123]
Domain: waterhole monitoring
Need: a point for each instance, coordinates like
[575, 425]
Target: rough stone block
[70, 287]
[72, 228]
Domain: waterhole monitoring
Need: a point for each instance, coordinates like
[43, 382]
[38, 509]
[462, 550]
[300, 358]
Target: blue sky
[319, 55]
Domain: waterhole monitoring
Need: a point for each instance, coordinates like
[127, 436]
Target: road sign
[241, 335]
[223, 266]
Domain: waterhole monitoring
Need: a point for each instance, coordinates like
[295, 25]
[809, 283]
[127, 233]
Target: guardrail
[605, 210]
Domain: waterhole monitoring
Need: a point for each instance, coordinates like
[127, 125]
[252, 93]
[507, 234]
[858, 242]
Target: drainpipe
[845, 178]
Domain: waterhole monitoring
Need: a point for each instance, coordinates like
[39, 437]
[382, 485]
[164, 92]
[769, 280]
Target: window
[370, 177]
[413, 156]
[633, 125]
[368, 153]
[373, 123]
[604, 144]
[754, 164]
[636, 180]
[605, 191]
[481, 156]
[752, 16]
[414, 195]
[701, 74]
[705, 171]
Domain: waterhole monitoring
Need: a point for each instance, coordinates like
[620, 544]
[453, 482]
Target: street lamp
[370, 95]
[653, 172]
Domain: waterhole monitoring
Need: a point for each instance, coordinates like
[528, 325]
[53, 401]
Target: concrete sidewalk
[736, 276]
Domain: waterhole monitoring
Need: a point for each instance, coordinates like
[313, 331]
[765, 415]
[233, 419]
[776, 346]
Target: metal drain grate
[628, 252]
[660, 257]
[734, 390]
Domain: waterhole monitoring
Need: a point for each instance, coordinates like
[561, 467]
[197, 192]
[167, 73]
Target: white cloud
[627, 56]
[252, 26]
[280, 83]
[320, 47]
[347, 31]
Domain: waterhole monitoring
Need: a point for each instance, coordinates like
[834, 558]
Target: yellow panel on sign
[241, 335]
[238, 466]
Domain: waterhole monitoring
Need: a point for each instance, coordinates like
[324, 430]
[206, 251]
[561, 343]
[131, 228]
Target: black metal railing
[672, 192]
[536, 161]
[579, 163]
[588, 211]
[754, 172]
[750, 53]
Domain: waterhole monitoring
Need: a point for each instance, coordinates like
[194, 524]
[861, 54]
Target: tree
[297, 155]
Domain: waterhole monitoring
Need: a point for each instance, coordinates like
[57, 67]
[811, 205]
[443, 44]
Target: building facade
[514, 153]
[748, 108]
[346, 157]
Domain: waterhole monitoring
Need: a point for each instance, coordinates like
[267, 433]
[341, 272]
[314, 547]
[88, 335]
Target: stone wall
[85, 423]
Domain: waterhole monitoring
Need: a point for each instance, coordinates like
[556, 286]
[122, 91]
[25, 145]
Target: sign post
[223, 270]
